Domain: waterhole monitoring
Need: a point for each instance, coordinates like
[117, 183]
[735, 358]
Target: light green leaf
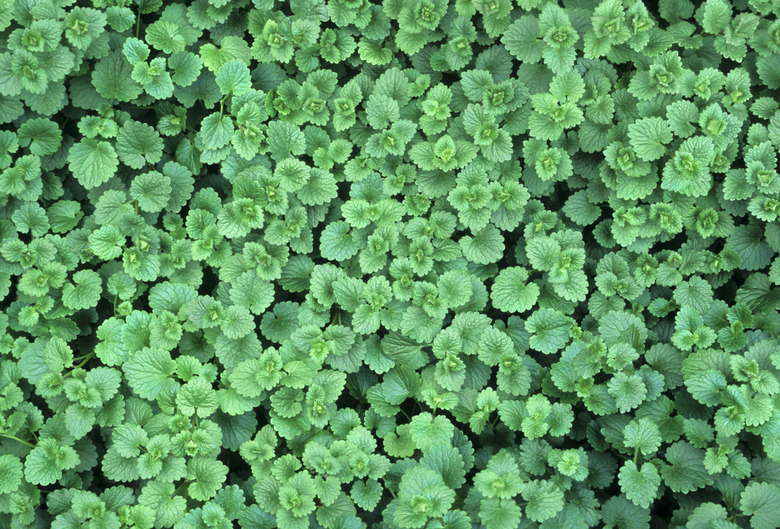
[639, 485]
[92, 162]
[148, 372]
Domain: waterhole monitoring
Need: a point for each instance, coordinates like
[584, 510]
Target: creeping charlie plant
[389, 264]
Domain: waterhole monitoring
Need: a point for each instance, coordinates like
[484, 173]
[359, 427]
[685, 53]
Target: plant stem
[87, 358]
[26, 443]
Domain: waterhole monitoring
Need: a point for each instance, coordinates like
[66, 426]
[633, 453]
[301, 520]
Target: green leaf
[544, 498]
[761, 501]
[152, 190]
[64, 215]
[92, 162]
[197, 397]
[337, 243]
[628, 390]
[206, 476]
[160, 497]
[83, 25]
[549, 330]
[111, 78]
[648, 136]
[484, 247]
[643, 435]
[238, 322]
[717, 15]
[419, 487]
[619, 512]
[215, 130]
[428, 431]
[6, 13]
[688, 170]
[84, 292]
[165, 36]
[522, 39]
[686, 471]
[511, 291]
[42, 135]
[640, 485]
[233, 78]
[749, 244]
[46, 462]
[366, 494]
[499, 513]
[186, 68]
[148, 372]
[455, 288]
[10, 473]
[138, 144]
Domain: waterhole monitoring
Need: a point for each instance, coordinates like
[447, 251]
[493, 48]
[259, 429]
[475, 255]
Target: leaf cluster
[403, 264]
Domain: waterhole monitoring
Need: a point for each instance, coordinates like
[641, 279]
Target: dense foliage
[337, 264]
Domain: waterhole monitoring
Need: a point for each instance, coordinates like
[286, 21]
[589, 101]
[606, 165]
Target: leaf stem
[87, 358]
[26, 443]
[388, 489]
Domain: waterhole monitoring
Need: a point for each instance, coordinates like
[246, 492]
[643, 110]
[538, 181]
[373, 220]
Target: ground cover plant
[337, 264]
